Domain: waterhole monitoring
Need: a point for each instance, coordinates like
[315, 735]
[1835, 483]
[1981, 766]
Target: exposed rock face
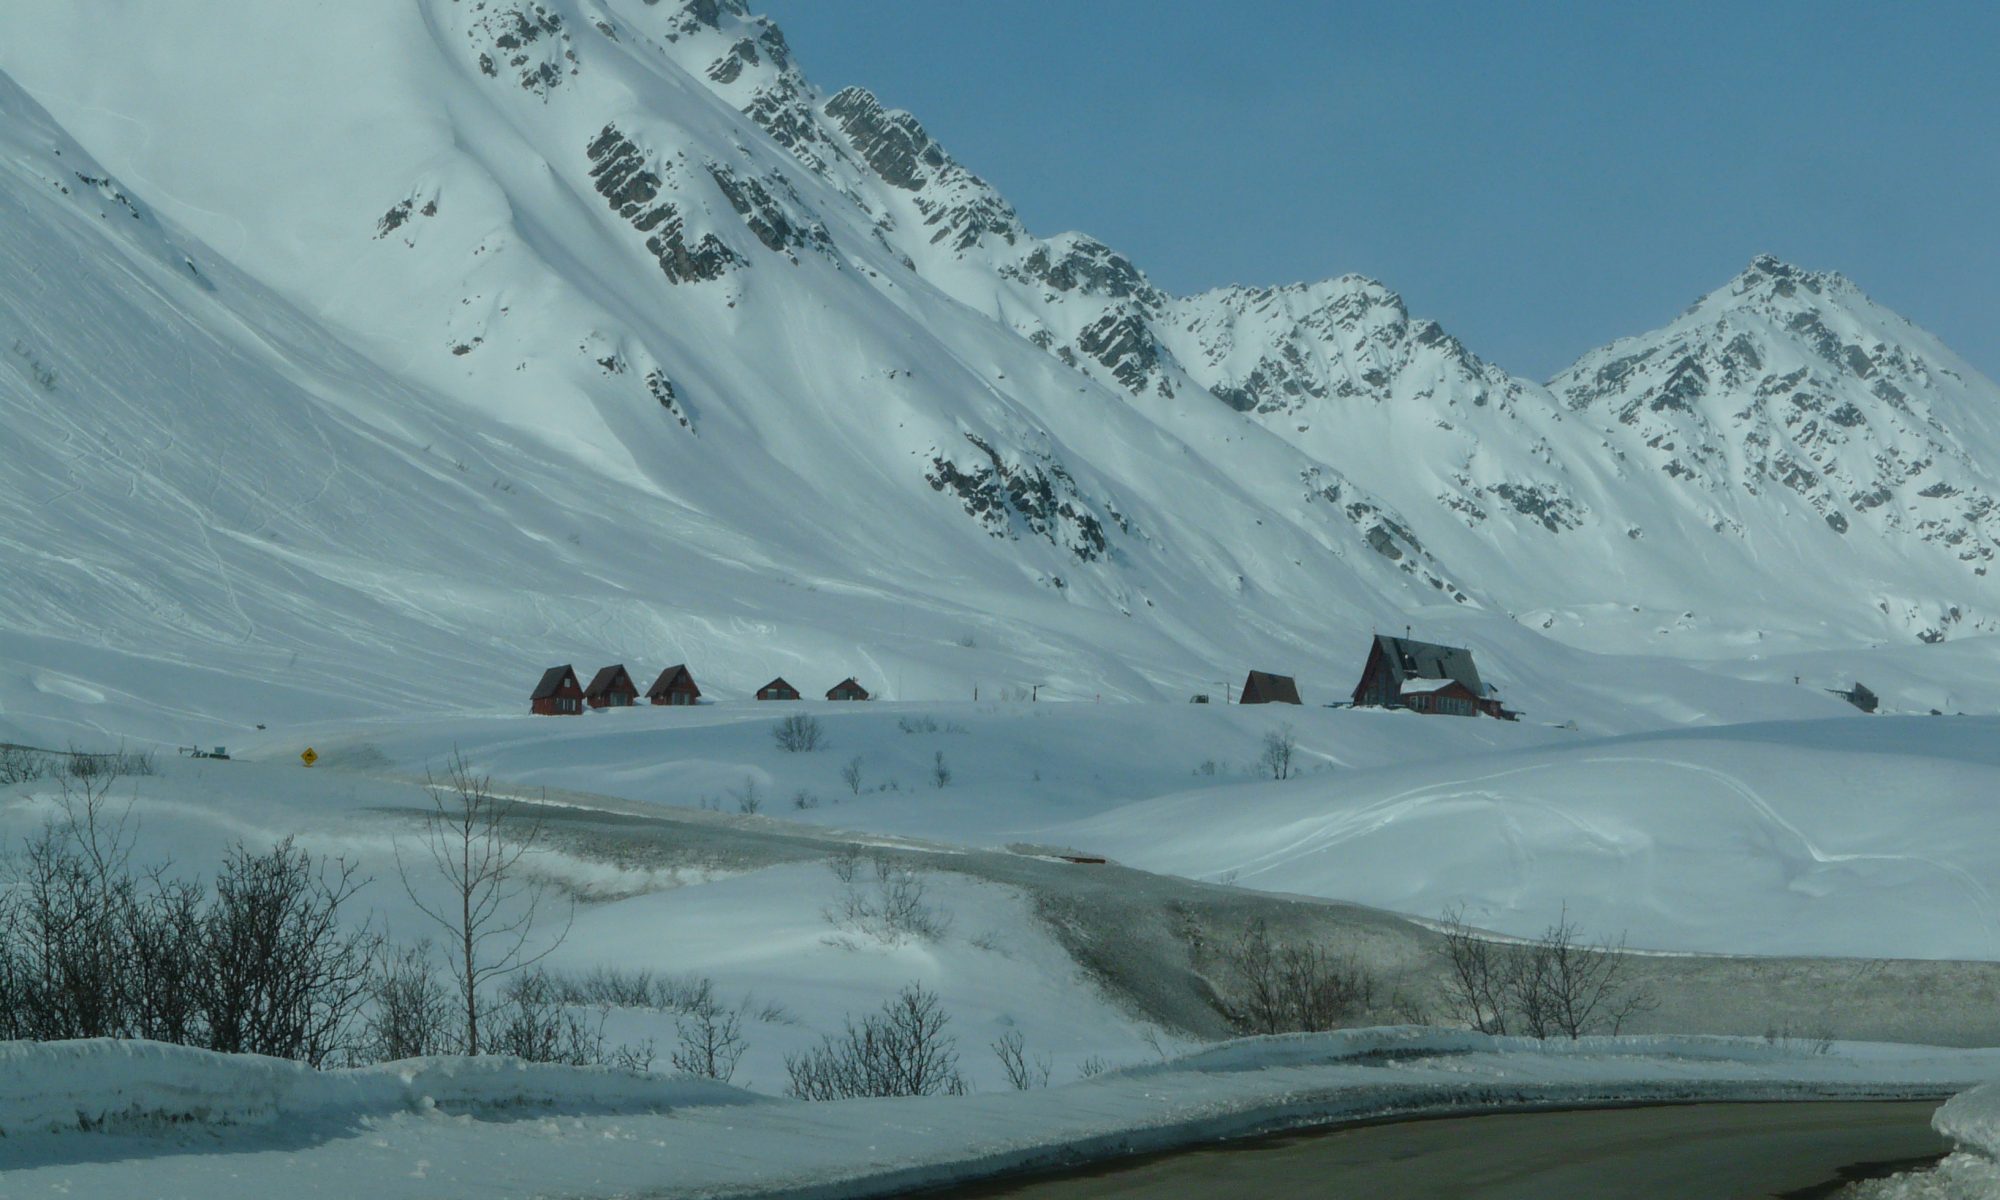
[523, 42]
[1042, 498]
[1793, 382]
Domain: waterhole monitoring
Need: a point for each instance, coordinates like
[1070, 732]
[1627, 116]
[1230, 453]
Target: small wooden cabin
[1425, 677]
[675, 686]
[1262, 687]
[777, 689]
[611, 688]
[558, 694]
[847, 689]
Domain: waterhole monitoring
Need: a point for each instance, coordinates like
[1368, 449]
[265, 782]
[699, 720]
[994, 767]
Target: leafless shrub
[18, 764]
[1295, 987]
[804, 800]
[79, 765]
[902, 1050]
[412, 1010]
[1092, 1067]
[476, 840]
[87, 949]
[1023, 1073]
[940, 771]
[923, 724]
[892, 908]
[283, 977]
[849, 775]
[709, 1040]
[798, 734]
[532, 1022]
[1791, 1041]
[1281, 746]
[1557, 985]
[748, 801]
[845, 863]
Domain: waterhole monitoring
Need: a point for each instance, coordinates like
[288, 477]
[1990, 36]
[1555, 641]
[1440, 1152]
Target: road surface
[1796, 1151]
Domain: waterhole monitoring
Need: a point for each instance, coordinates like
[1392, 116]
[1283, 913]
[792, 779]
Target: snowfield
[1869, 838]
[167, 1123]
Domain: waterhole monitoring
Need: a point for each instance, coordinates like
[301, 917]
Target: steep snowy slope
[589, 329]
[1806, 506]
[475, 423]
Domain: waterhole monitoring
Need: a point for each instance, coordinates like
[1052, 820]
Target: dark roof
[606, 678]
[671, 676]
[1270, 689]
[552, 681]
[1408, 658]
[847, 685]
[778, 684]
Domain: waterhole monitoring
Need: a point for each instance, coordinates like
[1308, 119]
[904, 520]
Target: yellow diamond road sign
[309, 757]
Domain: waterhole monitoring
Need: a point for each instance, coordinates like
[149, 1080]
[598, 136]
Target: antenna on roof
[1406, 632]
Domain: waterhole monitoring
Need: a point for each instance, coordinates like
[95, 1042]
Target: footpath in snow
[121, 1119]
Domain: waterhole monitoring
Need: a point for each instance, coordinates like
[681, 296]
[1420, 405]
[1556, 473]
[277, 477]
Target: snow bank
[1972, 1119]
[107, 1084]
[408, 1130]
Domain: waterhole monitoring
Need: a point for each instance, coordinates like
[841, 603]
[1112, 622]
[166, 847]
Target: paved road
[1684, 1152]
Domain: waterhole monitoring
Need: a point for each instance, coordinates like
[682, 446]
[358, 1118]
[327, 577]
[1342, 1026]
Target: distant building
[611, 688]
[1262, 687]
[777, 689]
[1425, 677]
[558, 694]
[675, 686]
[847, 689]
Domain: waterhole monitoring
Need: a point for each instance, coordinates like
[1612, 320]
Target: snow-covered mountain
[378, 354]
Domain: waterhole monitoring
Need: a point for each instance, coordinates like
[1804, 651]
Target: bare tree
[1023, 1073]
[851, 775]
[1569, 987]
[709, 1038]
[477, 841]
[1281, 746]
[798, 734]
[940, 772]
[1476, 975]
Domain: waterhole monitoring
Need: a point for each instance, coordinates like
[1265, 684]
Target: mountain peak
[1769, 277]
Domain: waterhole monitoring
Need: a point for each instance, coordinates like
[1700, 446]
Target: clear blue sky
[1540, 177]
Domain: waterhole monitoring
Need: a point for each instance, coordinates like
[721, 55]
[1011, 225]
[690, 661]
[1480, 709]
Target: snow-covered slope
[372, 357]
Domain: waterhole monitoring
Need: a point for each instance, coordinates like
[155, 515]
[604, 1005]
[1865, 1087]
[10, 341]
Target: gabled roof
[1270, 689]
[1411, 659]
[671, 676]
[607, 678]
[552, 681]
[778, 684]
[847, 685]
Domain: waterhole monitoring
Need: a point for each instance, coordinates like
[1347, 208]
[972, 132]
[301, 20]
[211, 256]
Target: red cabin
[1262, 687]
[558, 694]
[611, 688]
[674, 686]
[777, 689]
[847, 689]
[1427, 678]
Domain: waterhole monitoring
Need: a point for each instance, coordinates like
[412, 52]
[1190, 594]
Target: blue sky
[1539, 177]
